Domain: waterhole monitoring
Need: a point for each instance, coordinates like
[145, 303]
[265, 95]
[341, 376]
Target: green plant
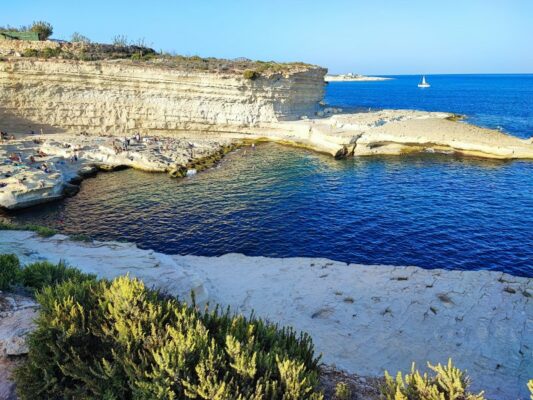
[30, 53]
[43, 29]
[120, 40]
[448, 383]
[78, 37]
[41, 274]
[49, 52]
[250, 74]
[9, 270]
[119, 340]
[40, 230]
[342, 391]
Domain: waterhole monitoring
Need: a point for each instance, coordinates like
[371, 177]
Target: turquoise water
[433, 211]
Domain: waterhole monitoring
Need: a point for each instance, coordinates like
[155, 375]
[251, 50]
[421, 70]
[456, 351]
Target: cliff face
[122, 97]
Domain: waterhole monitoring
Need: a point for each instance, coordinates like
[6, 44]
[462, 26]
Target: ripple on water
[431, 211]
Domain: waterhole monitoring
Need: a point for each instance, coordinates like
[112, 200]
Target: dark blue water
[433, 211]
[494, 101]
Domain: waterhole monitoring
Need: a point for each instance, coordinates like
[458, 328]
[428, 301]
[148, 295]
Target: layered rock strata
[124, 97]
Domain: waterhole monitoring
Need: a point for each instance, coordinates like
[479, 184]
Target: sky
[367, 37]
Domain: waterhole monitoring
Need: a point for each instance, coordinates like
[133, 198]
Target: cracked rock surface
[368, 319]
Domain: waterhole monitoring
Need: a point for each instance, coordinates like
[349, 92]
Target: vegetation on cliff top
[43, 29]
[82, 48]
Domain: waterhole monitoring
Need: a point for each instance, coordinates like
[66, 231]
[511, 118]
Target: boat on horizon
[424, 84]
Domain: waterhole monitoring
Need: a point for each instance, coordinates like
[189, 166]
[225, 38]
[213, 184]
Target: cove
[429, 210]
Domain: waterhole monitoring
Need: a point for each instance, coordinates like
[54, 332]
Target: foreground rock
[107, 260]
[367, 319]
[363, 319]
[16, 321]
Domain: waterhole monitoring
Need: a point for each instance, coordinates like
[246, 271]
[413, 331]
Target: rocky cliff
[123, 96]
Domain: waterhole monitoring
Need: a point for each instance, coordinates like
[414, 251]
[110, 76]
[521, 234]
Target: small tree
[43, 29]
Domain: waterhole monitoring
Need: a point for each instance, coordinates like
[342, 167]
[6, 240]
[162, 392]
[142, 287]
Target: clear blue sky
[370, 36]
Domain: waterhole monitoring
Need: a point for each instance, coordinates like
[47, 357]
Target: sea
[426, 210]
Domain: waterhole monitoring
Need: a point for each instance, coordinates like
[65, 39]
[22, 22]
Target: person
[44, 168]
[32, 159]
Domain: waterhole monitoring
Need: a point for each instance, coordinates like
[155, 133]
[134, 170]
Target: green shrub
[30, 53]
[79, 38]
[342, 391]
[42, 231]
[120, 40]
[9, 270]
[41, 274]
[43, 29]
[119, 340]
[250, 74]
[448, 383]
[49, 52]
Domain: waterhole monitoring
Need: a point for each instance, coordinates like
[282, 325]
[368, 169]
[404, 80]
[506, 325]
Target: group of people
[123, 145]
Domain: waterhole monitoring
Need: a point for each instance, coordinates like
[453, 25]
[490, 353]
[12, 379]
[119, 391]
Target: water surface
[495, 101]
[432, 211]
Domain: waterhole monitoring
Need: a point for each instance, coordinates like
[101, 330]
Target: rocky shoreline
[41, 168]
[364, 319]
[37, 168]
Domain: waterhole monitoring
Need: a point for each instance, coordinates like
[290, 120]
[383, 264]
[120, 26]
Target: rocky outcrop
[24, 181]
[393, 132]
[107, 260]
[16, 321]
[18, 47]
[121, 96]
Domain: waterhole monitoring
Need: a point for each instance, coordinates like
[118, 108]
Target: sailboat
[423, 84]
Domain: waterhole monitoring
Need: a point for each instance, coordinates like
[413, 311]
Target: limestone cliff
[122, 97]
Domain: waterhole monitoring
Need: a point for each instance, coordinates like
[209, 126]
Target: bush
[120, 40]
[30, 53]
[9, 270]
[79, 38]
[43, 29]
[49, 52]
[449, 383]
[342, 391]
[250, 74]
[119, 340]
[41, 274]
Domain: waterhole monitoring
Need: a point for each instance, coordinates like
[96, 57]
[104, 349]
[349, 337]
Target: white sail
[423, 84]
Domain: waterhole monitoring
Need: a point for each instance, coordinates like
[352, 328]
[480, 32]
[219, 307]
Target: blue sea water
[431, 210]
[496, 101]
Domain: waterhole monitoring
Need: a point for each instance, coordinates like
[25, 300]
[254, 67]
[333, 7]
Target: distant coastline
[350, 77]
